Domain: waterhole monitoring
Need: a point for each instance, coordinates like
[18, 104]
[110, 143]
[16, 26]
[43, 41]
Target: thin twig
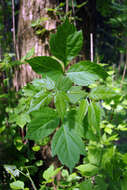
[91, 47]
[29, 177]
[13, 20]
[67, 6]
[120, 62]
[124, 71]
[54, 186]
[113, 76]
[14, 31]
[33, 185]
[73, 11]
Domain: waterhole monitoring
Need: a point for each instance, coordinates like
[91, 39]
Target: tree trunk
[31, 10]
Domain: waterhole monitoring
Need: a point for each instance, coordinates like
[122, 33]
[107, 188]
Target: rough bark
[31, 10]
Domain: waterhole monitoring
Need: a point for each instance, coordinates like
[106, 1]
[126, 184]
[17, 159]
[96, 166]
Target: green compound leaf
[22, 119]
[40, 99]
[66, 43]
[82, 110]
[46, 83]
[63, 83]
[101, 182]
[94, 117]
[61, 102]
[87, 169]
[75, 94]
[43, 124]
[74, 45]
[86, 72]
[86, 185]
[46, 65]
[102, 93]
[51, 172]
[123, 183]
[94, 154]
[67, 145]
[73, 122]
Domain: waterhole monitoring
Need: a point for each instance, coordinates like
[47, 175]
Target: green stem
[12, 175]
[28, 176]
[33, 185]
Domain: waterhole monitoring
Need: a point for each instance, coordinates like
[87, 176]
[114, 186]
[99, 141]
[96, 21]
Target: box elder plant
[62, 103]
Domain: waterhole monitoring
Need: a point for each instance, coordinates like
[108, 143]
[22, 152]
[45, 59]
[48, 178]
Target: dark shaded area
[87, 14]
[106, 43]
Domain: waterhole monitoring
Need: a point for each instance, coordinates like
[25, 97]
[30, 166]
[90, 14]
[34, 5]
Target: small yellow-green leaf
[88, 169]
[51, 172]
[36, 148]
[17, 185]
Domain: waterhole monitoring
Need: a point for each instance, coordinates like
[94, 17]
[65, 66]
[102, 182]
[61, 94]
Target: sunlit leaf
[102, 93]
[66, 44]
[88, 169]
[94, 117]
[46, 65]
[67, 145]
[86, 72]
[82, 110]
[17, 185]
[75, 94]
